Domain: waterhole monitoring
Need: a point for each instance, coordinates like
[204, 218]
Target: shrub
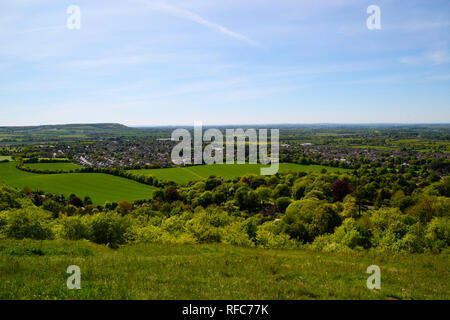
[247, 199]
[147, 234]
[437, 234]
[9, 198]
[53, 206]
[298, 191]
[207, 225]
[75, 201]
[124, 207]
[352, 235]
[392, 220]
[308, 218]
[413, 241]
[109, 228]
[281, 190]
[74, 228]
[429, 207]
[283, 203]
[268, 236]
[33, 223]
[236, 234]
[172, 194]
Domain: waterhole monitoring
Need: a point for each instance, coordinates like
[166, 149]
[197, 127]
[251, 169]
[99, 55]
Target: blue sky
[151, 62]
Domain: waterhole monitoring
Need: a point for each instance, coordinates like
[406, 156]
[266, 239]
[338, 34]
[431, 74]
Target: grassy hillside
[226, 171]
[100, 187]
[37, 270]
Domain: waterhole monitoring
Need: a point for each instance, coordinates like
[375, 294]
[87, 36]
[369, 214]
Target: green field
[100, 187]
[226, 171]
[5, 158]
[37, 270]
[66, 166]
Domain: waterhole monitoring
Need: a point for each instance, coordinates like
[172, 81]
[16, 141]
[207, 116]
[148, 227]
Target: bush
[74, 228]
[269, 237]
[437, 234]
[281, 190]
[283, 203]
[147, 234]
[9, 198]
[236, 234]
[392, 220]
[352, 235]
[306, 219]
[413, 241]
[429, 207]
[109, 228]
[124, 207]
[33, 223]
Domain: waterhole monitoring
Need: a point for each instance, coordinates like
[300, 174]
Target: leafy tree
[340, 189]
[124, 207]
[75, 201]
[283, 203]
[306, 219]
[281, 190]
[172, 194]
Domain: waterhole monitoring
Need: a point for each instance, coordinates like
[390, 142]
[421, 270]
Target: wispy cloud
[39, 29]
[421, 25]
[432, 58]
[107, 62]
[194, 17]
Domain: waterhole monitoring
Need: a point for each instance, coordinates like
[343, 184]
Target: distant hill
[70, 129]
[24, 134]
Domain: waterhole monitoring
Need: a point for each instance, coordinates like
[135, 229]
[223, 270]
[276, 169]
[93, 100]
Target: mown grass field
[37, 270]
[100, 187]
[226, 171]
[53, 166]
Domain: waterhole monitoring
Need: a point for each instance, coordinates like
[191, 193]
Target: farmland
[100, 187]
[225, 171]
[65, 166]
[37, 270]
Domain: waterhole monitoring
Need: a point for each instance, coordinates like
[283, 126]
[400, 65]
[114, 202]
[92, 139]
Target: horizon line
[233, 125]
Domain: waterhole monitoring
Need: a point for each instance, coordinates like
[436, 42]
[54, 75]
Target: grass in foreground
[100, 187]
[37, 270]
[226, 171]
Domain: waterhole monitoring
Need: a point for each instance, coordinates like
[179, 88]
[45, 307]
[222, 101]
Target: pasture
[99, 186]
[226, 171]
[37, 270]
[55, 166]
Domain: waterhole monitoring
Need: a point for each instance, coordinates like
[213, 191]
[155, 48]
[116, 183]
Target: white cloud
[191, 16]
